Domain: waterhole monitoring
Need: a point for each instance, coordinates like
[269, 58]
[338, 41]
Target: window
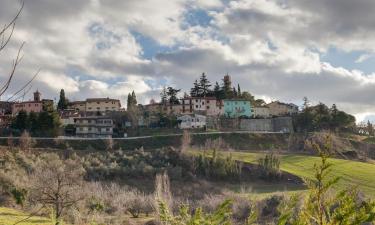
[208, 101]
[208, 107]
[81, 128]
[202, 103]
[89, 107]
[107, 129]
[196, 106]
[196, 100]
[89, 128]
[98, 108]
[97, 102]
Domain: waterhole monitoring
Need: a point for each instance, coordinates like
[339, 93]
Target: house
[261, 112]
[282, 109]
[191, 121]
[5, 108]
[29, 106]
[234, 108]
[96, 105]
[67, 116]
[209, 106]
[94, 127]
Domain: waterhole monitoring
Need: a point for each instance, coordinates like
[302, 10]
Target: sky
[276, 49]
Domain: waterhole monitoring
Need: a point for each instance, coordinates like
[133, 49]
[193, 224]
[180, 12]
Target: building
[209, 106]
[234, 108]
[282, 109]
[94, 127]
[29, 106]
[261, 112]
[67, 116]
[96, 105]
[5, 108]
[191, 121]
[78, 106]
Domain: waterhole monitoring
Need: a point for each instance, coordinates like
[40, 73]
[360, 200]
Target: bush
[269, 166]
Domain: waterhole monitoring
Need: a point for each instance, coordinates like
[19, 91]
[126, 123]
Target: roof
[209, 98]
[282, 103]
[101, 99]
[236, 99]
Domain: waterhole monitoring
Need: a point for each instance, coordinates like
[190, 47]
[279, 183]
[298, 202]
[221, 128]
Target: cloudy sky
[276, 49]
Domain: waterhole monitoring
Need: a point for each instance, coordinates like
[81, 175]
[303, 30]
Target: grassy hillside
[352, 173]
[11, 216]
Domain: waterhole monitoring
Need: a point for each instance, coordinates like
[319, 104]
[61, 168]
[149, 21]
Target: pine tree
[63, 102]
[172, 94]
[239, 91]
[204, 85]
[234, 92]
[218, 92]
[195, 90]
[134, 99]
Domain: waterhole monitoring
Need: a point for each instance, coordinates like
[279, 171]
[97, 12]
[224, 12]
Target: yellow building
[282, 109]
[97, 105]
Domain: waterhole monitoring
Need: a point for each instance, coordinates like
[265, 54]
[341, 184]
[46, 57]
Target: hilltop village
[218, 107]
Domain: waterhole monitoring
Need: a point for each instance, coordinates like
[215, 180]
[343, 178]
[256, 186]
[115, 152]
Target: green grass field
[11, 216]
[352, 173]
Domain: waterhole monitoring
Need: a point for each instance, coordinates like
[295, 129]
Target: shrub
[269, 166]
[25, 141]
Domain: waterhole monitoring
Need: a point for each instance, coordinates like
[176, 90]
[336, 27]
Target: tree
[21, 121]
[6, 34]
[239, 90]
[218, 92]
[370, 128]
[164, 96]
[56, 184]
[195, 90]
[227, 87]
[63, 101]
[204, 85]
[172, 95]
[131, 101]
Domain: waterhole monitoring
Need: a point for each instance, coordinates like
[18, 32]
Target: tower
[37, 96]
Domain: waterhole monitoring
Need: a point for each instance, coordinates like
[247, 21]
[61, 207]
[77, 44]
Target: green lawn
[352, 173]
[11, 216]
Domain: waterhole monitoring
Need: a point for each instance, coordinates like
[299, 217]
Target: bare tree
[6, 34]
[57, 184]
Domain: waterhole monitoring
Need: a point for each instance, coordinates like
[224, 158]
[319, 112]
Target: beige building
[209, 106]
[261, 112]
[96, 105]
[93, 127]
[282, 109]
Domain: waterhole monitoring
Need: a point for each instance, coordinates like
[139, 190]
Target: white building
[191, 121]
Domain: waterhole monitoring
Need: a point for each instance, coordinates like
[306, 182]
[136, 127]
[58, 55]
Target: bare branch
[23, 87]
[15, 64]
[11, 25]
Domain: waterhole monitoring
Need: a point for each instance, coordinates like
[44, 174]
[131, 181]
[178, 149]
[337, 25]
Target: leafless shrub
[26, 141]
[109, 144]
[10, 142]
[185, 140]
[138, 202]
[163, 190]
